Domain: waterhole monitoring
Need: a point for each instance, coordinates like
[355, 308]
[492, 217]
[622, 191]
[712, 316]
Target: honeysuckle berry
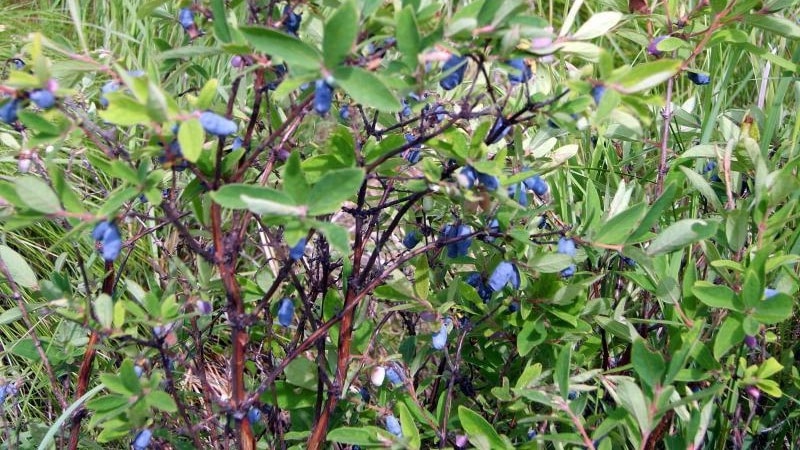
[172, 158]
[568, 272]
[475, 280]
[456, 66]
[750, 341]
[769, 292]
[461, 440]
[19, 64]
[439, 340]
[517, 191]
[572, 395]
[43, 98]
[490, 182]
[500, 128]
[629, 261]
[217, 125]
[297, 251]
[537, 185]
[364, 392]
[393, 426]
[522, 72]
[138, 370]
[344, 113]
[323, 96]
[438, 113]
[566, 246]
[111, 86]
[597, 93]
[513, 307]
[286, 312]
[406, 111]
[709, 167]
[394, 376]
[700, 79]
[7, 391]
[460, 248]
[377, 375]
[204, 307]
[466, 177]
[532, 434]
[108, 235]
[291, 22]
[142, 440]
[253, 415]
[237, 61]
[186, 18]
[8, 112]
[505, 273]
[492, 228]
[237, 143]
[411, 239]
[652, 48]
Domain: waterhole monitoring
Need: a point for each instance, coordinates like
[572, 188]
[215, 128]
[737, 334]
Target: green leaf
[561, 373]
[481, 433]
[618, 229]
[128, 377]
[125, 111]
[768, 368]
[220, 21]
[161, 400]
[206, 96]
[597, 25]
[265, 207]
[38, 123]
[630, 397]
[366, 88]
[337, 236]
[19, 269]
[716, 295]
[340, 34]
[681, 234]
[191, 137]
[532, 334]
[408, 40]
[774, 309]
[333, 189]
[294, 180]
[368, 436]
[730, 333]
[230, 195]
[647, 75]
[775, 24]
[410, 431]
[292, 50]
[702, 185]
[648, 365]
[104, 310]
[189, 52]
[37, 195]
[156, 103]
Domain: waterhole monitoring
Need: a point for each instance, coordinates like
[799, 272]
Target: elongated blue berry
[500, 128]
[323, 96]
[298, 250]
[700, 79]
[186, 18]
[456, 64]
[107, 88]
[364, 392]
[291, 21]
[517, 192]
[475, 280]
[504, 273]
[439, 340]
[522, 72]
[490, 182]
[566, 246]
[393, 426]
[460, 248]
[466, 177]
[769, 292]
[569, 271]
[537, 185]
[8, 112]
[7, 391]
[253, 415]
[18, 63]
[411, 239]
[217, 125]
[597, 93]
[43, 99]
[286, 312]
[108, 235]
[394, 376]
[142, 440]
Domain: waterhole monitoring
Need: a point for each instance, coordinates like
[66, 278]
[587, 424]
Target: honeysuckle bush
[414, 224]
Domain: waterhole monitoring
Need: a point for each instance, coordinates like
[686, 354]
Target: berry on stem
[458, 65]
[286, 312]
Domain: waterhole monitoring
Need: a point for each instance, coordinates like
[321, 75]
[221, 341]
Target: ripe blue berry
[393, 425]
[43, 99]
[466, 177]
[406, 109]
[186, 18]
[517, 191]
[566, 246]
[597, 93]
[292, 21]
[532, 434]
[769, 292]
[323, 96]
[537, 185]
[439, 340]
[411, 239]
[7, 391]
[652, 49]
[700, 79]
[344, 113]
[458, 65]
[237, 143]
[8, 112]
[217, 125]
[286, 312]
[139, 370]
[475, 280]
[237, 62]
[460, 248]
[364, 394]
[298, 250]
[172, 158]
[394, 376]
[107, 88]
[522, 73]
[568, 272]
[500, 128]
[253, 415]
[107, 234]
[490, 182]
[504, 273]
[142, 440]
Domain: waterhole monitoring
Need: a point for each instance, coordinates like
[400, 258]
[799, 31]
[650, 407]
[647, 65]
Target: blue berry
[139, 370]
[466, 177]
[111, 86]
[490, 182]
[142, 440]
[217, 125]
[296, 252]
[493, 228]
[522, 73]
[8, 112]
[173, 157]
[253, 415]
[323, 96]
[504, 273]
[43, 99]
[406, 109]
[532, 434]
[411, 239]
[517, 191]
[652, 48]
[458, 65]
[568, 272]
[108, 235]
[769, 292]
[513, 307]
[460, 248]
[286, 312]
[475, 280]
[537, 185]
[572, 395]
[186, 18]
[18, 63]
[8, 391]
[237, 143]
[292, 21]
[439, 340]
[344, 113]
[710, 166]
[394, 376]
[500, 128]
[597, 93]
[700, 79]
[364, 394]
[393, 425]
[566, 246]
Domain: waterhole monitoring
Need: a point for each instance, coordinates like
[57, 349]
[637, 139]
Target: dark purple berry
[750, 341]
[537, 185]
[490, 182]
[500, 128]
[652, 49]
[456, 66]
[291, 22]
[411, 239]
[517, 191]
[466, 177]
